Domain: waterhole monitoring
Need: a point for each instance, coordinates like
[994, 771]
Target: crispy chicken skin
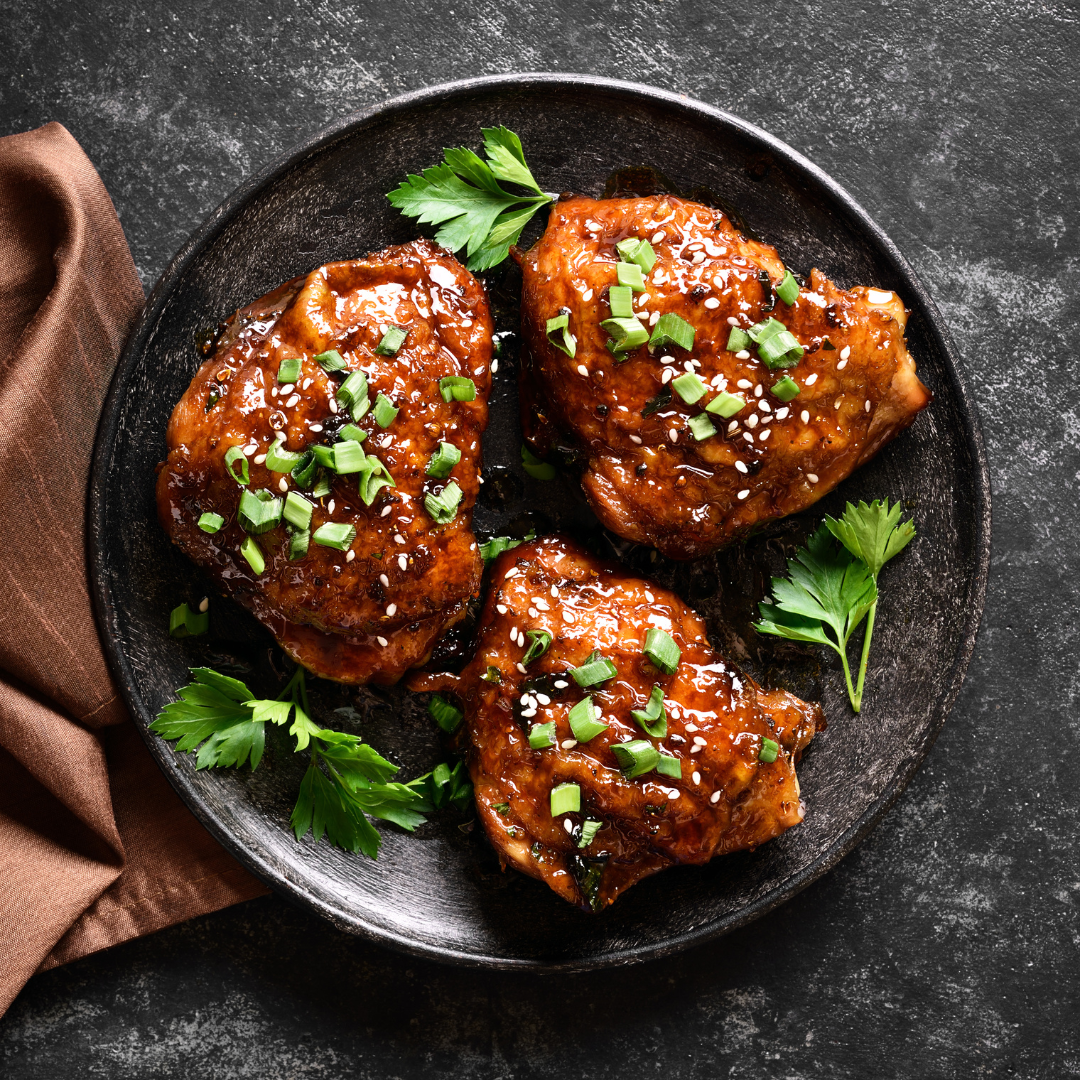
[369, 614]
[648, 478]
[726, 800]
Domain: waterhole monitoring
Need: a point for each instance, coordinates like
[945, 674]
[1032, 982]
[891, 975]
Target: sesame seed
[398, 538]
[747, 436]
[696, 363]
[250, 449]
[752, 420]
[805, 416]
[283, 484]
[732, 426]
[330, 506]
[286, 389]
[742, 354]
[528, 713]
[494, 365]
[658, 236]
[810, 379]
[699, 741]
[567, 616]
[812, 477]
[403, 562]
[560, 684]
[258, 459]
[274, 392]
[501, 609]
[781, 414]
[689, 366]
[654, 318]
[743, 494]
[841, 365]
[636, 440]
[582, 369]
[845, 352]
[838, 402]
[741, 466]
[758, 390]
[294, 400]
[712, 303]
[568, 825]
[554, 590]
[667, 359]
[696, 777]
[643, 299]
[744, 384]
[673, 793]
[568, 744]
[333, 406]
[673, 435]
[520, 666]
[696, 748]
[382, 641]
[543, 699]
[714, 797]
[732, 321]
[587, 295]
[391, 609]
[867, 404]
[541, 605]
[315, 427]
[532, 613]
[666, 375]
[305, 384]
[763, 435]
[649, 596]
[385, 511]
[691, 727]
[764, 406]
[204, 603]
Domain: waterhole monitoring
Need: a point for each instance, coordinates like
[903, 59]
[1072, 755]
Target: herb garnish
[833, 587]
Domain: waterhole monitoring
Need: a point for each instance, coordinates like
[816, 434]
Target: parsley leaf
[464, 198]
[832, 587]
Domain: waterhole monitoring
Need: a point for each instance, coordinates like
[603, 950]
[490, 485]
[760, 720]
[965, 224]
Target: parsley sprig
[832, 587]
[346, 780]
[464, 198]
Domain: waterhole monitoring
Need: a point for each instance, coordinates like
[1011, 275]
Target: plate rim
[220, 218]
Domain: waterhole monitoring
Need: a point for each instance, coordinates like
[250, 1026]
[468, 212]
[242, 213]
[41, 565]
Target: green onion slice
[780, 351]
[655, 404]
[352, 433]
[565, 799]
[298, 544]
[259, 512]
[668, 765]
[653, 718]
[636, 757]
[661, 649]
[446, 714]
[701, 427]
[583, 722]
[788, 289]
[539, 640]
[335, 534]
[347, 457]
[322, 486]
[492, 675]
[542, 736]
[493, 548]
[558, 333]
[738, 340]
[637, 251]
[626, 334]
[211, 522]
[304, 470]
[279, 460]
[596, 669]
[589, 829]
[324, 456]
[443, 507]
[770, 748]
[537, 469]
[689, 387]
[289, 370]
[374, 476]
[621, 301]
[330, 361]
[443, 460]
[630, 274]
[183, 622]
[786, 389]
[233, 455]
[672, 329]
[726, 405]
[384, 411]
[297, 510]
[457, 388]
[353, 392]
[253, 553]
[392, 340]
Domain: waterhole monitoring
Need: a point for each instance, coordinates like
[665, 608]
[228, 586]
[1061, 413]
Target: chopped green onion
[558, 333]
[621, 301]
[233, 455]
[768, 752]
[786, 389]
[446, 714]
[726, 405]
[298, 544]
[655, 404]
[765, 329]
[738, 340]
[539, 640]
[352, 433]
[661, 649]
[565, 799]
[289, 370]
[297, 510]
[626, 334]
[443, 460]
[637, 251]
[499, 807]
[542, 736]
[304, 469]
[781, 350]
[672, 329]
[322, 486]
[385, 411]
[278, 460]
[630, 274]
[374, 476]
[689, 387]
[583, 722]
[335, 534]
[636, 757]
[788, 289]
[330, 361]
[492, 675]
[457, 388]
[537, 469]
[253, 553]
[324, 456]
[392, 340]
[352, 394]
[596, 669]
[669, 765]
[653, 718]
[211, 522]
[589, 829]
[183, 622]
[347, 457]
[443, 507]
[494, 547]
[259, 512]
[701, 427]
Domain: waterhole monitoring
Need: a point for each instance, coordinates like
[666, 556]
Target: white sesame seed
[283, 485]
[712, 303]
[696, 363]
[743, 494]
[691, 727]
[689, 366]
[258, 459]
[587, 295]
[568, 744]
[333, 406]
[732, 426]
[403, 562]
[744, 384]
[568, 825]
[867, 404]
[742, 354]
[350, 555]
[494, 364]
[250, 449]
[763, 435]
[204, 603]
[554, 590]
[636, 440]
[696, 748]
[714, 797]
[673, 435]
[520, 666]
[758, 390]
[804, 416]
[699, 258]
[810, 379]
[330, 506]
[699, 741]
[543, 699]
[666, 375]
[741, 466]
[528, 713]
[696, 777]
[673, 793]
[747, 436]
[654, 318]
[513, 633]
[812, 477]
[541, 605]
[567, 616]
[385, 511]
[658, 236]
[315, 427]
[398, 538]
[382, 641]
[391, 609]
[274, 392]
[643, 299]
[582, 369]
[764, 406]
[845, 352]
[649, 596]
[838, 402]
[781, 414]
[305, 384]
[532, 613]
[841, 365]
[752, 420]
[732, 321]
[501, 609]
[385, 581]
[287, 388]
[560, 684]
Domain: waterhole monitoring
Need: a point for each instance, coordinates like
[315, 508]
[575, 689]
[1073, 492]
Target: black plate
[440, 893]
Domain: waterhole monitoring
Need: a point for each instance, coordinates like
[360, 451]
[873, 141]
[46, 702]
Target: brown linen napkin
[95, 847]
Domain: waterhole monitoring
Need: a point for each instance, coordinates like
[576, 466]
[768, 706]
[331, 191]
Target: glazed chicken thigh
[354, 398]
[571, 787]
[689, 463]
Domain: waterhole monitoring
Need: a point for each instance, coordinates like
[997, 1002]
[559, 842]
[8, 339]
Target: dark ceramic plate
[440, 893]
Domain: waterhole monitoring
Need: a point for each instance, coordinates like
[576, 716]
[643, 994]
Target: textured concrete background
[948, 945]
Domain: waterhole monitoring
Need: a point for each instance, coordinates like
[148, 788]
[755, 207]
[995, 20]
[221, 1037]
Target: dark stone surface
[945, 946]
